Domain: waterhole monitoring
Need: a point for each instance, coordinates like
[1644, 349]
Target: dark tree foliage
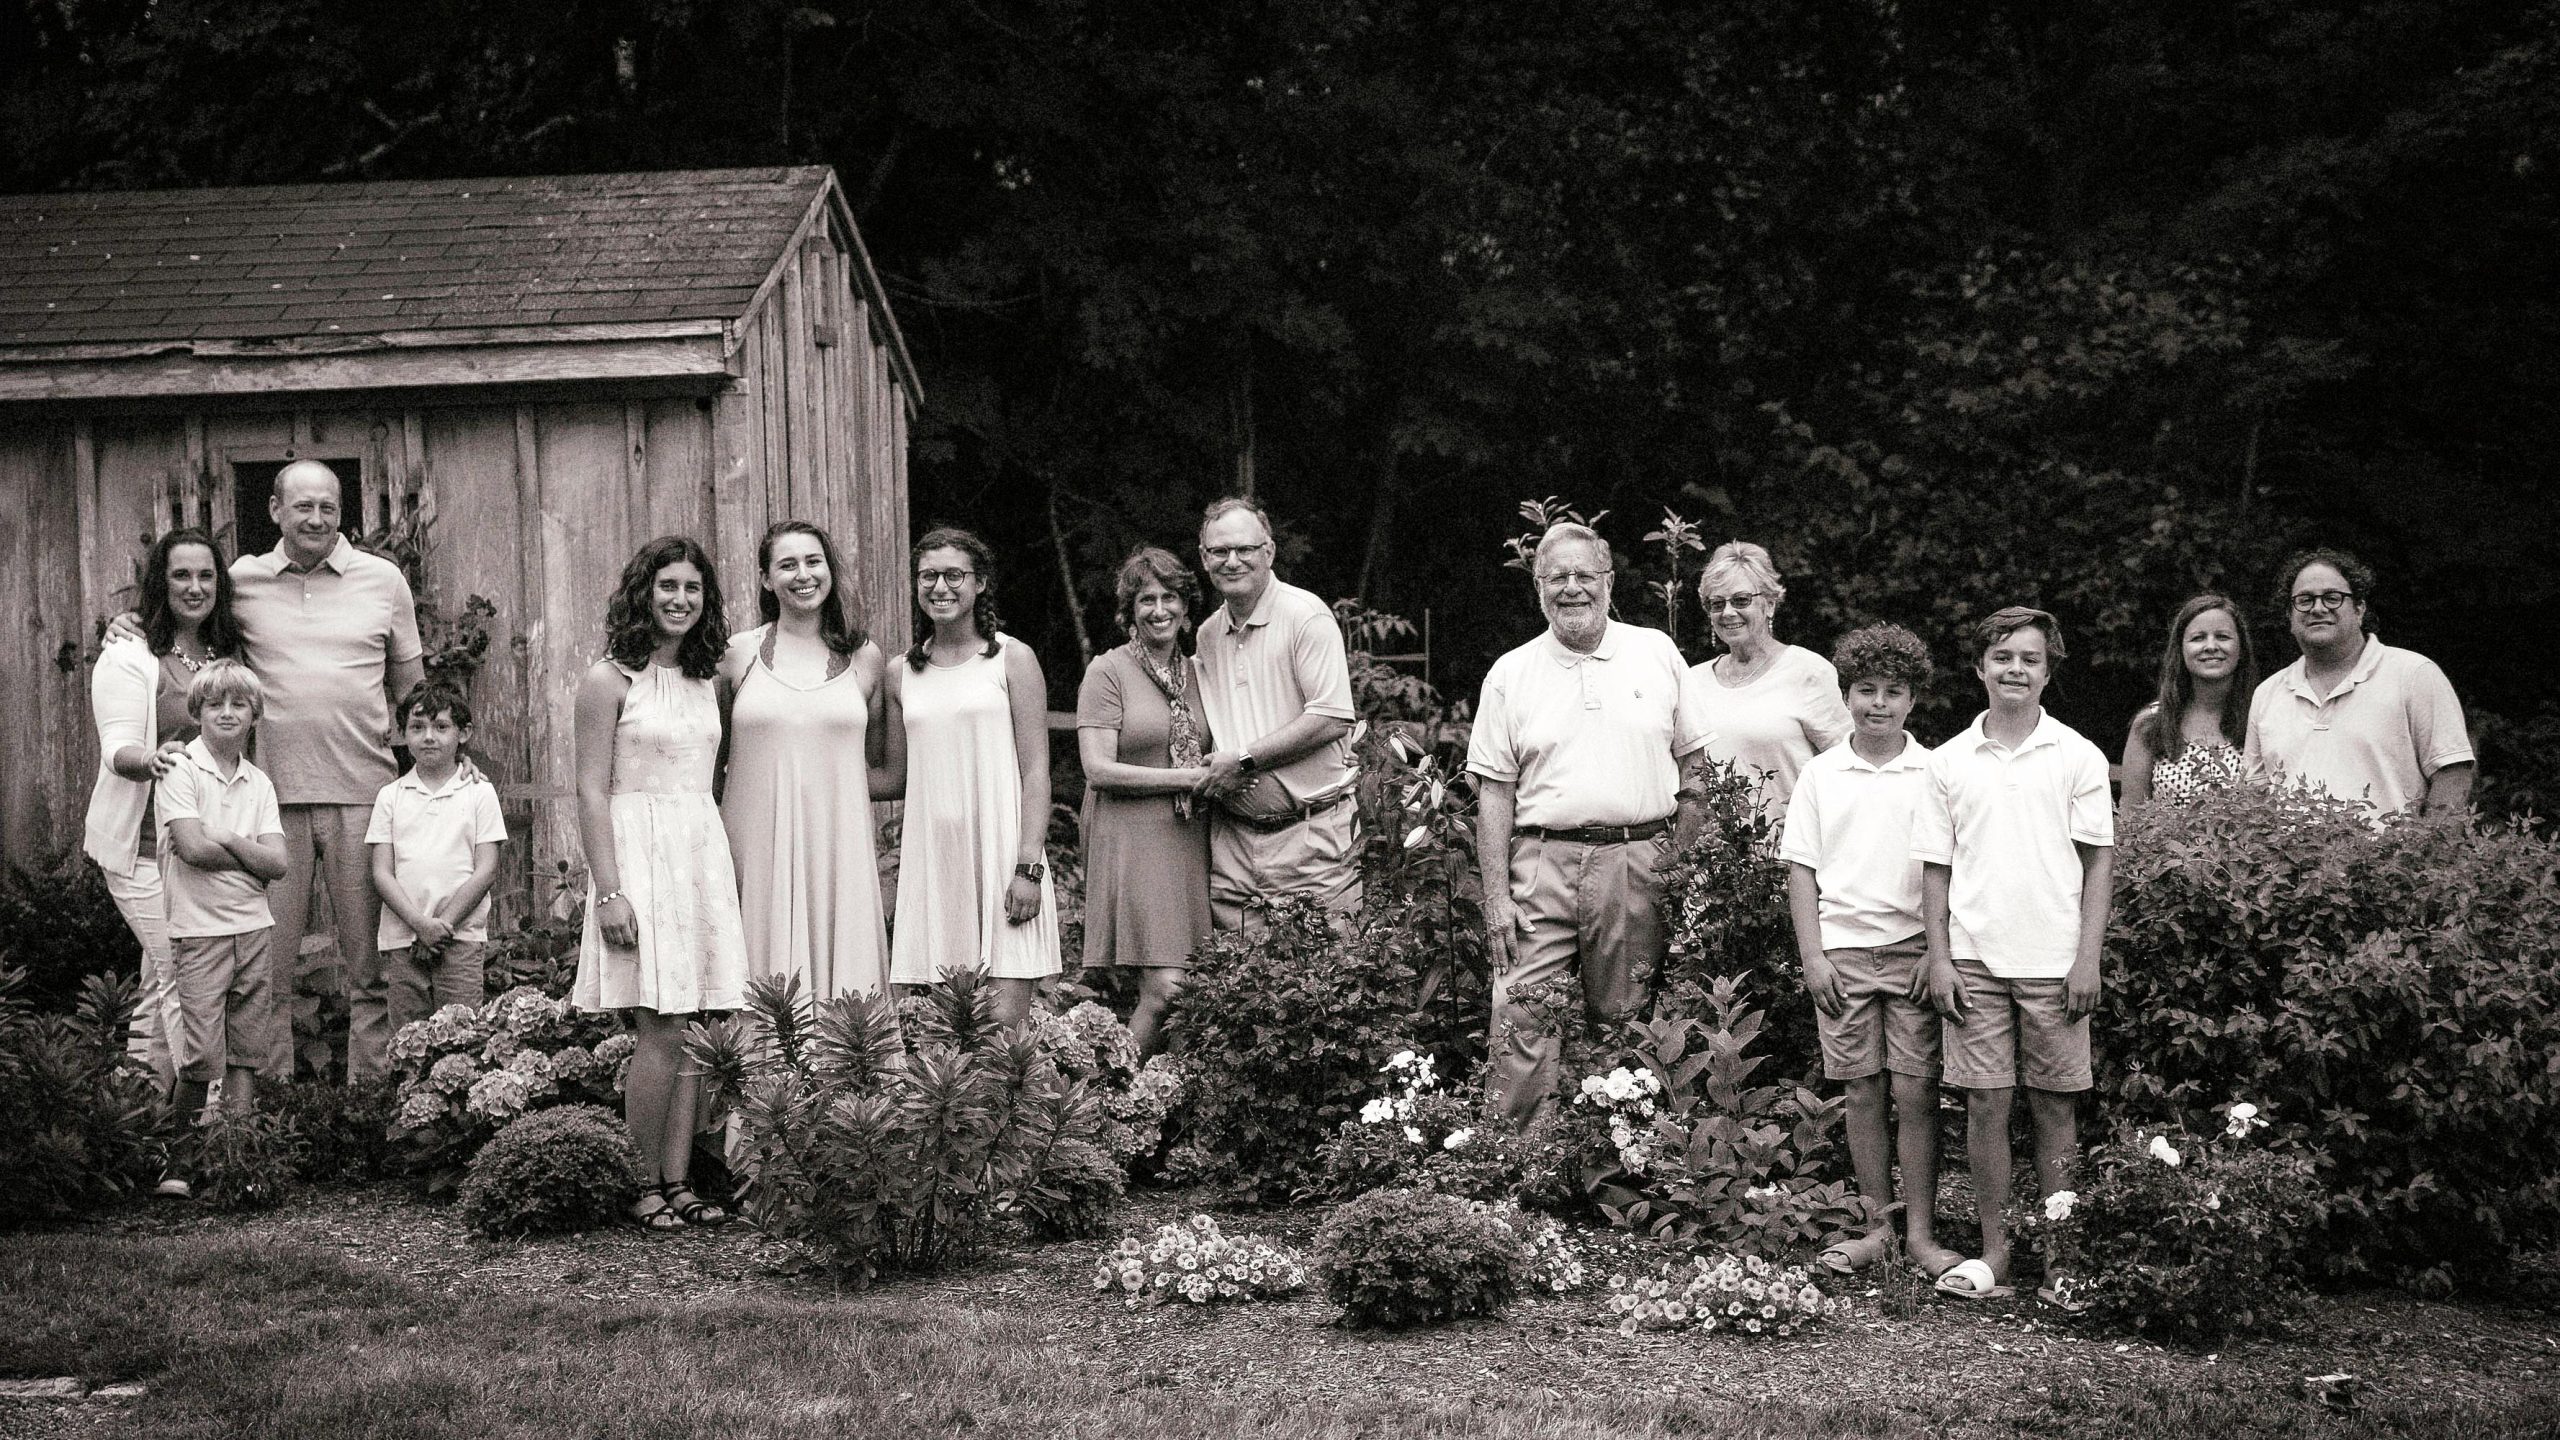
[1950, 305]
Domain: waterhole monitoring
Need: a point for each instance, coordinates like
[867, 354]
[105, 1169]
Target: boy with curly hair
[2016, 837]
[1854, 891]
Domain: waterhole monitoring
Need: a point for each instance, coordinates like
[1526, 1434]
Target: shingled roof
[329, 268]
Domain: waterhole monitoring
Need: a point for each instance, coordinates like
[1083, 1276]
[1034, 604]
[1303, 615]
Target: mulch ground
[1901, 1342]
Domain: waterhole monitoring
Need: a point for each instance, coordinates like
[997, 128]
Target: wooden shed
[529, 376]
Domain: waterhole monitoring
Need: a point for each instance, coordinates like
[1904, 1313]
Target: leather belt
[1600, 834]
[1269, 824]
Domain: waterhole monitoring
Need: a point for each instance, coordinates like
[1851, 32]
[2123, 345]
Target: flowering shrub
[79, 1125]
[1740, 1295]
[1626, 1101]
[2181, 1237]
[463, 1073]
[567, 1168]
[875, 1149]
[1724, 907]
[1197, 1262]
[1421, 1138]
[2390, 988]
[1394, 1258]
[1547, 1264]
[1089, 1043]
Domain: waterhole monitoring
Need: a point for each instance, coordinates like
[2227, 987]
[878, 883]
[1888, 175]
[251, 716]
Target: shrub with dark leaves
[80, 1126]
[244, 1161]
[552, 1171]
[345, 1129]
[59, 925]
[1397, 1258]
[1724, 906]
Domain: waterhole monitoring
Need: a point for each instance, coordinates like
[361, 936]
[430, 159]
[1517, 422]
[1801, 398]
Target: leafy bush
[345, 1130]
[80, 1125]
[1089, 1043]
[1739, 1295]
[463, 1073]
[1421, 1138]
[2180, 1238]
[1724, 905]
[2389, 990]
[1395, 1258]
[567, 1168]
[59, 925]
[244, 1160]
[543, 955]
[872, 1152]
[1197, 1262]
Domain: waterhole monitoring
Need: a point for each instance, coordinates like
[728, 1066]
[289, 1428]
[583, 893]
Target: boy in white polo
[435, 837]
[2016, 838]
[221, 845]
[1854, 890]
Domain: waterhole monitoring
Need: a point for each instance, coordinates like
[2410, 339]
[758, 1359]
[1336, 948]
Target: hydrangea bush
[1089, 1043]
[1197, 1263]
[2182, 1237]
[463, 1073]
[1737, 1294]
[1422, 1137]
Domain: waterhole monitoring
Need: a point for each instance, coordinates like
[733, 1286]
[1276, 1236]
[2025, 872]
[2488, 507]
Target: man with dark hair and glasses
[2355, 717]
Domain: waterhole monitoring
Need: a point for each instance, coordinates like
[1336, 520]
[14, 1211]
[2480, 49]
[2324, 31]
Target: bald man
[332, 632]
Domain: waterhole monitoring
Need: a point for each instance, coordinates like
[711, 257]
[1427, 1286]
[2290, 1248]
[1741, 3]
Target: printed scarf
[1186, 748]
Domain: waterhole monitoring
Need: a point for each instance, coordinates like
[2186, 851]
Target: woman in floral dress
[2187, 743]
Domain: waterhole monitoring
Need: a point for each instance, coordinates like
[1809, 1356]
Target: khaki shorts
[2014, 1033]
[227, 1013]
[1883, 1029]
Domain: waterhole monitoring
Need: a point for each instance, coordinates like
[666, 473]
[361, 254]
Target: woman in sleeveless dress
[968, 743]
[804, 735]
[1142, 735]
[663, 943]
[1773, 706]
[2187, 743]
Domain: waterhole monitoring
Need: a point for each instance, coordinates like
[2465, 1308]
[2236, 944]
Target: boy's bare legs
[1987, 1147]
[1915, 1105]
[1870, 1144]
[2055, 1115]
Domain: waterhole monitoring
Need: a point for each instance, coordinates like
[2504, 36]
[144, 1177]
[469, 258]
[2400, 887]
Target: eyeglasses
[932, 579]
[1743, 601]
[1574, 579]
[2309, 600]
[1221, 554]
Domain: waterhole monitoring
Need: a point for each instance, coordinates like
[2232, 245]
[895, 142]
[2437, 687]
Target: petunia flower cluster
[1197, 1263]
[1630, 1098]
[1552, 1267]
[1744, 1295]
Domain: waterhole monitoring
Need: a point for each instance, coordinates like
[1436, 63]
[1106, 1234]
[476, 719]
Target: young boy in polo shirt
[435, 836]
[2015, 835]
[221, 843]
[1854, 890]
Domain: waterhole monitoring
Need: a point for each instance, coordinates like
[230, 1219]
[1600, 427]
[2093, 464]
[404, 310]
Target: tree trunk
[1067, 581]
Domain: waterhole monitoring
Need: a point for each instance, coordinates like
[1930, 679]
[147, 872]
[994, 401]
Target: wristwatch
[1031, 870]
[1245, 763]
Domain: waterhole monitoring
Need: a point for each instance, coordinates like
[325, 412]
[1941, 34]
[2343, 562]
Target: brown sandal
[691, 1208]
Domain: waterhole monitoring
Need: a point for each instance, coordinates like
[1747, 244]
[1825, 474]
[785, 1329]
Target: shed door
[254, 484]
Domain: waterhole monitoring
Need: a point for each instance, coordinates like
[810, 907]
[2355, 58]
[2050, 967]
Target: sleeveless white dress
[674, 856]
[962, 831]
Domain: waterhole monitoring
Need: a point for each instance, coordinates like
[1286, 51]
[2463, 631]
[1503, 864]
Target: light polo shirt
[431, 833]
[1850, 823]
[1590, 739]
[2007, 823]
[214, 902]
[2391, 724]
[322, 642]
[1285, 660]
[1771, 727]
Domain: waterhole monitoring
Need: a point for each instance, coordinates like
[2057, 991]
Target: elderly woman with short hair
[1144, 741]
[1773, 706]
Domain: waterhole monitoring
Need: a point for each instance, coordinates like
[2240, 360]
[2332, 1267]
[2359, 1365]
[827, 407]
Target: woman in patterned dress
[2187, 743]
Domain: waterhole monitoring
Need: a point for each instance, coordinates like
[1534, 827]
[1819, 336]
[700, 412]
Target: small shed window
[254, 484]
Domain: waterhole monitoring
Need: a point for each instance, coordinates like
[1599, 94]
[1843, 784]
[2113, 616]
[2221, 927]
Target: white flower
[2057, 1206]
[1413, 1133]
[2244, 1118]
[1457, 1140]
[1401, 1060]
[1377, 1111]
[1761, 1192]
[2166, 1153]
[2213, 1201]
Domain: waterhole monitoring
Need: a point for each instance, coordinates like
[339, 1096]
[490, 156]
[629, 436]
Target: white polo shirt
[2007, 824]
[205, 903]
[431, 833]
[1286, 660]
[1850, 823]
[2389, 726]
[322, 641]
[1591, 739]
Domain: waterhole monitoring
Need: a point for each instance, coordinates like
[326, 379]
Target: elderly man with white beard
[1587, 748]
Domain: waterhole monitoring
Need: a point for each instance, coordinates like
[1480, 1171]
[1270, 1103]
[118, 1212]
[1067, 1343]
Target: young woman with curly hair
[663, 941]
[968, 746]
[2187, 743]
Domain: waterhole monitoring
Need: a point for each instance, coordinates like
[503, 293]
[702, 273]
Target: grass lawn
[352, 1314]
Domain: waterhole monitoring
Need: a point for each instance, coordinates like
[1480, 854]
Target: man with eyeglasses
[1275, 682]
[2355, 717]
[1581, 741]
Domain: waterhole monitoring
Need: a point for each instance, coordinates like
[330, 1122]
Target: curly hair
[2000, 624]
[2162, 722]
[2357, 574]
[630, 626]
[1881, 652]
[220, 633]
[836, 625]
[1149, 562]
[982, 560]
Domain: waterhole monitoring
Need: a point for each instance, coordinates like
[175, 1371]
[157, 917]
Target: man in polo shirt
[1580, 740]
[2353, 716]
[1276, 683]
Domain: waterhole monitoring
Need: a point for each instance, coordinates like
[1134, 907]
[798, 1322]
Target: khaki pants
[329, 839]
[1317, 858]
[1596, 906]
[414, 991]
[155, 1014]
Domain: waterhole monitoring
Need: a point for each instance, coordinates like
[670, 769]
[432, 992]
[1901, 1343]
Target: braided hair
[982, 560]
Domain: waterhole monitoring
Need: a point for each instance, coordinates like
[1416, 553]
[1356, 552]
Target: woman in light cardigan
[138, 698]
